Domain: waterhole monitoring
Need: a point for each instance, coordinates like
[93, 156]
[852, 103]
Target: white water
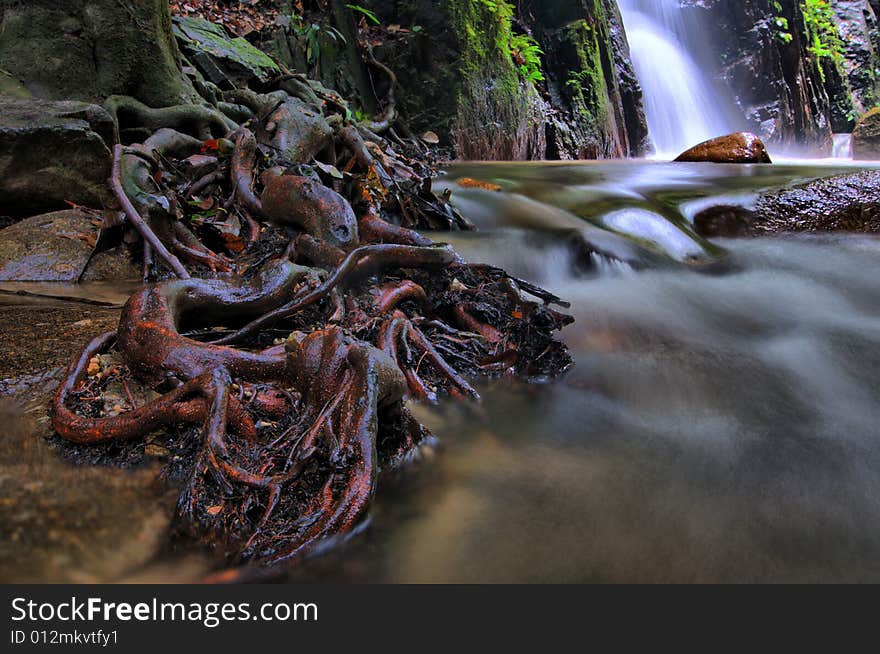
[681, 106]
[720, 424]
[842, 147]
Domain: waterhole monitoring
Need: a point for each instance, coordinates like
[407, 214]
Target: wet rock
[455, 80]
[738, 148]
[113, 265]
[52, 152]
[777, 85]
[724, 221]
[9, 86]
[857, 22]
[53, 247]
[221, 59]
[866, 136]
[845, 203]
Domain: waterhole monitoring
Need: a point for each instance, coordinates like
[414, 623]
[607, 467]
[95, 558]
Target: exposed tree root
[137, 220]
[199, 120]
[282, 382]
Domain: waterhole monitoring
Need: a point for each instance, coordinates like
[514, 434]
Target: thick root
[197, 120]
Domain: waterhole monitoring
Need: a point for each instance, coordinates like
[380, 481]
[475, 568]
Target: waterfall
[681, 105]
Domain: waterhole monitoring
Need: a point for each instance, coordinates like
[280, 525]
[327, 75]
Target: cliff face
[860, 30]
[778, 87]
[589, 79]
[785, 93]
[459, 78]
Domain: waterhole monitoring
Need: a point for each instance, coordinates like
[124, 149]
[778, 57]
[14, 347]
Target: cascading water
[681, 106]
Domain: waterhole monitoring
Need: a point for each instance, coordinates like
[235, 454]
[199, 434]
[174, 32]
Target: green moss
[212, 38]
[587, 85]
[584, 71]
[12, 87]
[496, 106]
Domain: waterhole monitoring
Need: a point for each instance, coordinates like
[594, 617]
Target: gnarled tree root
[197, 119]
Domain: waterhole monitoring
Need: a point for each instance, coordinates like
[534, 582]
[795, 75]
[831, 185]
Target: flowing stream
[721, 423]
[682, 106]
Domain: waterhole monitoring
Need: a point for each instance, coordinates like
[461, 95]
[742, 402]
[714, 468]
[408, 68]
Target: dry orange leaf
[468, 182]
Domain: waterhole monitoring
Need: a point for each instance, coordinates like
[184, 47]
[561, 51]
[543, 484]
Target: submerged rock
[659, 234]
[54, 247]
[724, 221]
[738, 148]
[866, 136]
[52, 152]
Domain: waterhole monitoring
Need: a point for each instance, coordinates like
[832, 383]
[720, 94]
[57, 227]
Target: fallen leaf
[468, 182]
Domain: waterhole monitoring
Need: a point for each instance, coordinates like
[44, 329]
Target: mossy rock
[866, 136]
[51, 153]
[223, 60]
[92, 49]
[11, 87]
[499, 115]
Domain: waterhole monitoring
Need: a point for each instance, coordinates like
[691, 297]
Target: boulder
[866, 136]
[737, 148]
[115, 265]
[52, 152]
[53, 247]
[222, 60]
[91, 49]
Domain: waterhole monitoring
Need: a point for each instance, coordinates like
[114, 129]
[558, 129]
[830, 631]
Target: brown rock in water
[724, 221]
[54, 247]
[738, 148]
[866, 136]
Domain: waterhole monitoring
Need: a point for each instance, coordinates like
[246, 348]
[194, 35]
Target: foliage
[369, 15]
[781, 24]
[825, 42]
[526, 52]
[822, 32]
[319, 39]
[523, 50]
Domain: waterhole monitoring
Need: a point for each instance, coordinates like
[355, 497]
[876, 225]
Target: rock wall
[458, 79]
[778, 87]
[590, 79]
[860, 30]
